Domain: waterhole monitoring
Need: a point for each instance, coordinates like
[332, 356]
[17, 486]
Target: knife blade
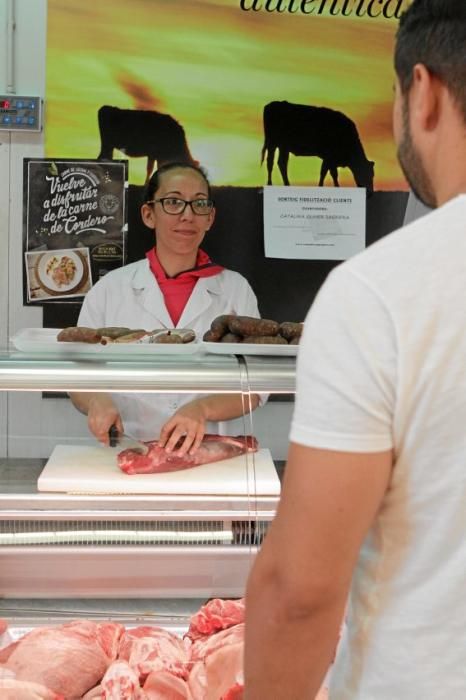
[126, 441]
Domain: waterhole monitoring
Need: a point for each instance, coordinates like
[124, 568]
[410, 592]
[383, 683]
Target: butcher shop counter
[60, 545]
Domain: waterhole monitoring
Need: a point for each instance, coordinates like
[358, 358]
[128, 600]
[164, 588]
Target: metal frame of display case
[49, 561]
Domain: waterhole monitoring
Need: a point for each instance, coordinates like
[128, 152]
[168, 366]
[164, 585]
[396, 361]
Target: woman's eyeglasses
[174, 205]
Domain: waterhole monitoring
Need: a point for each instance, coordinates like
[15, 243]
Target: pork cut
[121, 682]
[68, 659]
[216, 615]
[236, 692]
[165, 686]
[12, 689]
[217, 663]
[213, 448]
[148, 649]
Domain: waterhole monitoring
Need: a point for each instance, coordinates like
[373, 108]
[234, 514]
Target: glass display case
[180, 539]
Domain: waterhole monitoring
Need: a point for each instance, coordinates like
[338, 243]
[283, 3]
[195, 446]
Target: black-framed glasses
[175, 205]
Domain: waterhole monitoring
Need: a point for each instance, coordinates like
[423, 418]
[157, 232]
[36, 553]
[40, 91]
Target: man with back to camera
[374, 497]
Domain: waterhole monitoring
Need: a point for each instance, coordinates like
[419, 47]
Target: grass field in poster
[213, 67]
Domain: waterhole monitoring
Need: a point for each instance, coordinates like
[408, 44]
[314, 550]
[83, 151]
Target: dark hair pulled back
[154, 183]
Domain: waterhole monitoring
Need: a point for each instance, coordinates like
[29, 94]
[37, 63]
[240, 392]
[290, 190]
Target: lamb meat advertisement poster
[74, 226]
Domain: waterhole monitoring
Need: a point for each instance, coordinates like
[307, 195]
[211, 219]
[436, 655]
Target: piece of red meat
[12, 689]
[213, 448]
[162, 685]
[220, 669]
[217, 614]
[201, 648]
[69, 659]
[121, 682]
[236, 692]
[148, 649]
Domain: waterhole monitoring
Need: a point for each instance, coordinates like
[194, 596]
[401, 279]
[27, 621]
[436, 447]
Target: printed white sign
[314, 223]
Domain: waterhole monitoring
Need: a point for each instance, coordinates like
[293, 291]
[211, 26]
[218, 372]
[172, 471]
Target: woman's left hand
[186, 426]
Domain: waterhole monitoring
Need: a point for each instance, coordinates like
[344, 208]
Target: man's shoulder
[407, 244]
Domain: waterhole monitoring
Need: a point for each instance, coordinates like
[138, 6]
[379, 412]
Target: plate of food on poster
[58, 273]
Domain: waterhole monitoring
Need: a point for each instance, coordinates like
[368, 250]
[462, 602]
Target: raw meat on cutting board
[213, 448]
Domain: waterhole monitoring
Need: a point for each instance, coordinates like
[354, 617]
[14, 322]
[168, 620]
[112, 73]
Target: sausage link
[290, 330]
[131, 337]
[220, 324]
[167, 337]
[113, 332]
[231, 338]
[79, 334]
[247, 326]
[265, 340]
[211, 336]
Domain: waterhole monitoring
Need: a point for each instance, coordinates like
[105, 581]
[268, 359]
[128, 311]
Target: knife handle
[113, 436]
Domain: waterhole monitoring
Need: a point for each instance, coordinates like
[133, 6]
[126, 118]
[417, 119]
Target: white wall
[34, 425]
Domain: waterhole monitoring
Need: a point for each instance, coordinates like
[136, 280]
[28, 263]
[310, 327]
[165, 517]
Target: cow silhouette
[304, 130]
[138, 132]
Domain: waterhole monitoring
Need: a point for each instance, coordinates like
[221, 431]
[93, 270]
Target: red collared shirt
[177, 290]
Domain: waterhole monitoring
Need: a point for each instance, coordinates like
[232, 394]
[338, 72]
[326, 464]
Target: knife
[126, 441]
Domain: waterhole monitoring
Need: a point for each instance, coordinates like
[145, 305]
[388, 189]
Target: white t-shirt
[382, 364]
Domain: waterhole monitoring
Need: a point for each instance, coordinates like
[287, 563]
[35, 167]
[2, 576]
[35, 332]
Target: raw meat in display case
[85, 660]
[67, 660]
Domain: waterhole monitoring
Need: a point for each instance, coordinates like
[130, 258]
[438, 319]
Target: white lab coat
[130, 296]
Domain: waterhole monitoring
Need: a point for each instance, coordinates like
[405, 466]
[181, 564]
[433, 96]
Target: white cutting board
[93, 470]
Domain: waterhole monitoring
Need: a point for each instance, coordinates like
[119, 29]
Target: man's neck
[174, 264]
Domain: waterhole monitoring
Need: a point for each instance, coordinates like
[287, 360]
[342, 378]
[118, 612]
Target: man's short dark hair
[433, 32]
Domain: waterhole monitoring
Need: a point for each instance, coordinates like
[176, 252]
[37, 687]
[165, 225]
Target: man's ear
[147, 215]
[424, 98]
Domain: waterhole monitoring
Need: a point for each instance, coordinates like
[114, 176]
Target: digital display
[5, 104]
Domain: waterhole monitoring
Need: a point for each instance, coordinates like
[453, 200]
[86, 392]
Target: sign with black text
[314, 223]
[74, 225]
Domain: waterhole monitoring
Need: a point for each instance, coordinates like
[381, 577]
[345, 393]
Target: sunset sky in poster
[213, 67]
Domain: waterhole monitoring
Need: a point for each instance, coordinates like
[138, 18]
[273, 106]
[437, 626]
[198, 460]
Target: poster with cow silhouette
[258, 92]
[74, 226]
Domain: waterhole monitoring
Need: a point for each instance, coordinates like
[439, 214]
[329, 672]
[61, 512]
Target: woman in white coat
[176, 285]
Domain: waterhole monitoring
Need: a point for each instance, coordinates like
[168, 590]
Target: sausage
[247, 326]
[290, 330]
[220, 324]
[113, 332]
[168, 337]
[187, 334]
[231, 338]
[265, 340]
[131, 337]
[211, 336]
[175, 335]
[79, 334]
[218, 328]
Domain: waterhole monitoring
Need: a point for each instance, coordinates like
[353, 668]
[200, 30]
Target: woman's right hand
[101, 415]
